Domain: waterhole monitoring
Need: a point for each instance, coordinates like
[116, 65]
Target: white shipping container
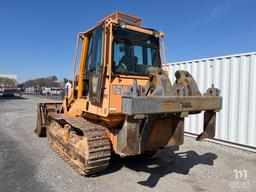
[235, 76]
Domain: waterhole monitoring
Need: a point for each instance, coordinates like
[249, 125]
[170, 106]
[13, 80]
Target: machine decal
[119, 89]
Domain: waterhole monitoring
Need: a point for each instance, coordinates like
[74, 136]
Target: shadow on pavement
[161, 164]
[11, 97]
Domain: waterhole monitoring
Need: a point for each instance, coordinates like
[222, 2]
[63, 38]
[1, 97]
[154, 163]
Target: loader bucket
[43, 111]
[40, 127]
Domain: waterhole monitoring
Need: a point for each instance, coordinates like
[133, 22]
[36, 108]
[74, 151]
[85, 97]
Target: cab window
[133, 52]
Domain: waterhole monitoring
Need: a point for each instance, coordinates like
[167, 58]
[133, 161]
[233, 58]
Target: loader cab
[114, 54]
[132, 53]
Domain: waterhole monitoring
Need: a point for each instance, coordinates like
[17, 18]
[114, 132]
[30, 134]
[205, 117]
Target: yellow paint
[82, 66]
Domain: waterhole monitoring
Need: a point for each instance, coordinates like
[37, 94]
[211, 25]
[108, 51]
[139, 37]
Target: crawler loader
[122, 100]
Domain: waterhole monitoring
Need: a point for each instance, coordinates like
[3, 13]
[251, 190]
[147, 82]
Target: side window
[154, 57]
[122, 57]
[95, 66]
[138, 55]
[97, 50]
[89, 56]
[119, 53]
[149, 56]
[140, 59]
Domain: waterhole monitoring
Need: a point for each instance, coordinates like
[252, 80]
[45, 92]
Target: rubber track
[99, 149]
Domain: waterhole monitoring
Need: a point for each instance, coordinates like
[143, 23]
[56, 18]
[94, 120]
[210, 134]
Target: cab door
[96, 65]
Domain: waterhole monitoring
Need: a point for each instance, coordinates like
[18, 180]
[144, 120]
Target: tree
[54, 78]
[50, 81]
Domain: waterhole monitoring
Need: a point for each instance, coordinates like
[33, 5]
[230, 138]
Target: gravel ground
[27, 163]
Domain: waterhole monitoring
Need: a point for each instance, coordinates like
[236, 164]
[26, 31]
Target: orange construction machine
[122, 99]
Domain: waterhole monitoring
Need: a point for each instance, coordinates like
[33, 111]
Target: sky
[37, 37]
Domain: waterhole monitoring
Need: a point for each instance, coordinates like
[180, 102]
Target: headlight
[156, 34]
[122, 25]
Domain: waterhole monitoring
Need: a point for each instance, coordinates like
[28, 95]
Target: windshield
[133, 52]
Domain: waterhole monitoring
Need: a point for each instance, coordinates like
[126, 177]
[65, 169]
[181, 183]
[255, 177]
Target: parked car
[1, 89]
[51, 91]
[10, 91]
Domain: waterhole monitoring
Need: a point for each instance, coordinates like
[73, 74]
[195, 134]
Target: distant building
[8, 80]
[10, 76]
